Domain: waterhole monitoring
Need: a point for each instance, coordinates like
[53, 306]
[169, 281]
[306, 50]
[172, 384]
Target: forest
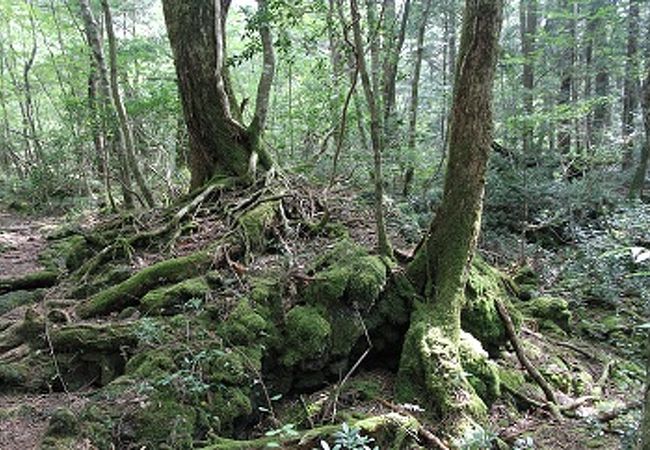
[324, 224]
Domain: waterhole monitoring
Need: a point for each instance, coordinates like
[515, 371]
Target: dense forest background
[274, 223]
[569, 129]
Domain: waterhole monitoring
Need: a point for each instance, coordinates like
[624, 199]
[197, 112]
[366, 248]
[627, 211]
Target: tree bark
[415, 87]
[125, 131]
[383, 244]
[630, 85]
[106, 108]
[439, 269]
[219, 143]
[528, 30]
[638, 182]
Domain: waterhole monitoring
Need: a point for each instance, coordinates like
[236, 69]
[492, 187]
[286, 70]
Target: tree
[219, 144]
[439, 269]
[376, 137]
[630, 85]
[636, 188]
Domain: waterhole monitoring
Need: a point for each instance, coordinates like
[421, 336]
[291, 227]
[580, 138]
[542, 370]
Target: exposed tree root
[42, 279]
[521, 355]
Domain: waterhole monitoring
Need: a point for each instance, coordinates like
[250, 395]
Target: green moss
[164, 422]
[430, 370]
[15, 299]
[244, 326]
[93, 337]
[169, 300]
[367, 280]
[526, 282]
[228, 404]
[150, 365]
[255, 223]
[109, 277]
[76, 252]
[513, 379]
[480, 316]
[63, 423]
[42, 279]
[347, 274]
[550, 310]
[131, 290]
[482, 373]
[307, 335]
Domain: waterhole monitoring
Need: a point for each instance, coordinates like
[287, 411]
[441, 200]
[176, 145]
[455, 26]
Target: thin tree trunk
[566, 84]
[630, 86]
[638, 182]
[528, 30]
[375, 132]
[125, 130]
[106, 108]
[415, 85]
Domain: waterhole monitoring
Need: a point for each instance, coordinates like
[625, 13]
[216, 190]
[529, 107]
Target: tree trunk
[430, 364]
[566, 83]
[105, 107]
[630, 85]
[415, 86]
[383, 244]
[528, 29]
[125, 131]
[219, 143]
[638, 182]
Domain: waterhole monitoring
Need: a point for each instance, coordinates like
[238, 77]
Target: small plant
[476, 439]
[348, 438]
[522, 443]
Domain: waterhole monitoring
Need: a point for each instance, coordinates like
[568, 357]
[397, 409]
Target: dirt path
[21, 241]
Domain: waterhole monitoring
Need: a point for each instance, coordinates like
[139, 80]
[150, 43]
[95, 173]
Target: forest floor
[595, 365]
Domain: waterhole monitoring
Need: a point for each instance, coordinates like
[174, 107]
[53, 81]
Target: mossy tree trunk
[439, 270]
[219, 143]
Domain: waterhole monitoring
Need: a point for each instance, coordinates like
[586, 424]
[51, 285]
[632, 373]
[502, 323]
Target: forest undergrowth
[259, 317]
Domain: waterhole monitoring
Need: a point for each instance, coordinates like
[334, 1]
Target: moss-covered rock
[42, 279]
[168, 300]
[482, 373]
[63, 422]
[480, 316]
[551, 311]
[164, 423]
[75, 252]
[307, 336]
[526, 281]
[244, 326]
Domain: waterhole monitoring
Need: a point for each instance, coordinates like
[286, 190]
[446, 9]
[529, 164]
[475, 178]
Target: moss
[12, 375]
[556, 373]
[15, 299]
[92, 337]
[150, 365]
[42, 279]
[367, 281]
[244, 326]
[63, 423]
[526, 282]
[108, 278]
[550, 310]
[227, 405]
[131, 290]
[164, 422]
[513, 379]
[480, 316]
[76, 252]
[169, 300]
[307, 335]
[482, 373]
[255, 223]
[430, 370]
[348, 274]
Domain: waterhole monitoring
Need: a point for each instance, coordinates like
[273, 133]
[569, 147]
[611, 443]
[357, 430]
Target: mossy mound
[480, 316]
[14, 299]
[482, 373]
[308, 336]
[552, 312]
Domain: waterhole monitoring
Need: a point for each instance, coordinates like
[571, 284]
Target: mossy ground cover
[249, 342]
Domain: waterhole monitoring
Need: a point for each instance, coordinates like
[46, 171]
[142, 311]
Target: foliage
[349, 438]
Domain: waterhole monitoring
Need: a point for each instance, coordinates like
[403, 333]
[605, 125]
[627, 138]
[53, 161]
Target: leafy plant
[348, 438]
